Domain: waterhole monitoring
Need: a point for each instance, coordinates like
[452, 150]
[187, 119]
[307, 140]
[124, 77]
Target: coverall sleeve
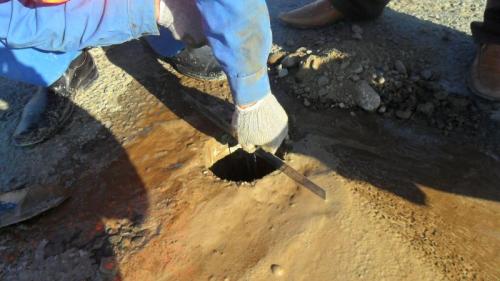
[239, 32]
[75, 25]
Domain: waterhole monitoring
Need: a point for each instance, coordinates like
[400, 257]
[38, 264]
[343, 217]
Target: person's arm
[76, 24]
[239, 33]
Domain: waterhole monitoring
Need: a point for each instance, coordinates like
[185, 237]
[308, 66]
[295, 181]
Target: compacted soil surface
[380, 117]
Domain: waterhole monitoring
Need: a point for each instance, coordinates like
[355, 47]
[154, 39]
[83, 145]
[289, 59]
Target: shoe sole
[220, 77]
[473, 89]
[87, 82]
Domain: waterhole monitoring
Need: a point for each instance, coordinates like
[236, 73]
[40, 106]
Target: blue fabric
[165, 45]
[239, 33]
[75, 25]
[34, 66]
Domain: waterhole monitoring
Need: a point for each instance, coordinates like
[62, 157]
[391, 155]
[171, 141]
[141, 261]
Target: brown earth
[404, 201]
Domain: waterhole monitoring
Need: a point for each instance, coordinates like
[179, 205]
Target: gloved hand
[263, 124]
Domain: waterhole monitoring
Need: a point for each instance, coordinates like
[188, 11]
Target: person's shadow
[84, 164]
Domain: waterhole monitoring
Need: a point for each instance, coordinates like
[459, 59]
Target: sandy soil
[405, 200]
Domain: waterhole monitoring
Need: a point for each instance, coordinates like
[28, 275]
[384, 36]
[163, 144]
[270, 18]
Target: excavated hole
[241, 166]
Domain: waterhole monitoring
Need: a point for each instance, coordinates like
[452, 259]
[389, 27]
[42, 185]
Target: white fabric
[183, 19]
[264, 124]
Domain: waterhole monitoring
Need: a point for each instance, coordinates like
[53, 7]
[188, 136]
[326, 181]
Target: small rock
[426, 108]
[315, 62]
[404, 114]
[382, 109]
[400, 67]
[357, 36]
[40, 251]
[277, 270]
[366, 97]
[344, 64]
[275, 58]
[495, 116]
[323, 92]
[307, 103]
[357, 68]
[381, 80]
[426, 74]
[356, 28]
[4, 106]
[282, 72]
[342, 105]
[323, 81]
[290, 61]
[440, 95]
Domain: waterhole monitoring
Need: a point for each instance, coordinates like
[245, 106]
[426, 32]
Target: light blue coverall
[38, 44]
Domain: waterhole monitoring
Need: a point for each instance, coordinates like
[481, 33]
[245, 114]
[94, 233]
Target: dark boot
[51, 107]
[199, 63]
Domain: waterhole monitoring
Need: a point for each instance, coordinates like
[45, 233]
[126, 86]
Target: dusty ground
[413, 193]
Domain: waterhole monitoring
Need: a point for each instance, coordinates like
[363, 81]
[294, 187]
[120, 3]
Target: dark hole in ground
[241, 166]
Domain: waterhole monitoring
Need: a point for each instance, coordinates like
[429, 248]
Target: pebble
[366, 97]
[426, 108]
[357, 68]
[290, 61]
[323, 81]
[495, 116]
[344, 64]
[323, 92]
[404, 114]
[357, 36]
[440, 95]
[356, 28]
[4, 106]
[282, 72]
[400, 67]
[277, 270]
[381, 80]
[426, 74]
[307, 103]
[275, 58]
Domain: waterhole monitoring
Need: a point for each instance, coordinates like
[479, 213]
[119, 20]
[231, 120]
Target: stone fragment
[282, 72]
[426, 74]
[404, 114]
[276, 57]
[290, 61]
[400, 67]
[426, 108]
[366, 97]
[357, 68]
[323, 81]
[356, 28]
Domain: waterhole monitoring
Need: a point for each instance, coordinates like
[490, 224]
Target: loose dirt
[406, 199]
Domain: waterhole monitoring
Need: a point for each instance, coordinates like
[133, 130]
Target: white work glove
[184, 20]
[264, 124]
